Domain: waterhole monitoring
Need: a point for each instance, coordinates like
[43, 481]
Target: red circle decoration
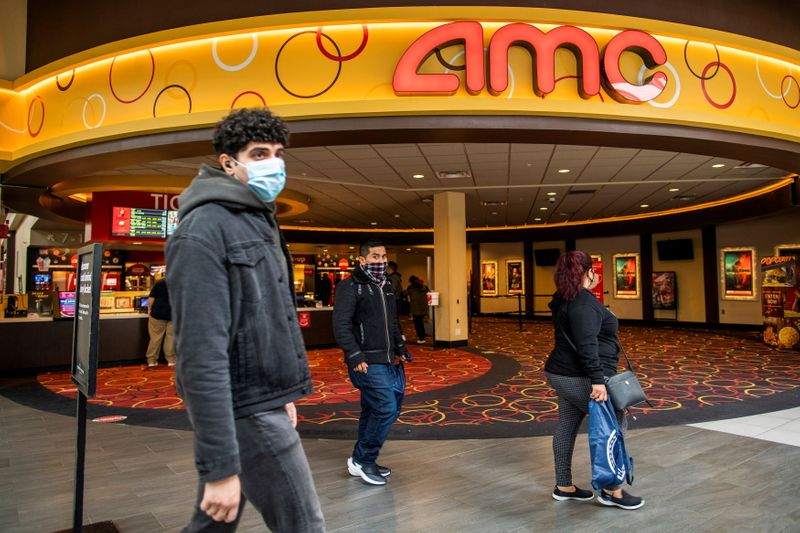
[149, 83]
[30, 109]
[703, 79]
[263, 101]
[340, 58]
[783, 95]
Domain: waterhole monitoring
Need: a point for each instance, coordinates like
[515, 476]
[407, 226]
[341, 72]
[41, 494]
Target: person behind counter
[159, 325]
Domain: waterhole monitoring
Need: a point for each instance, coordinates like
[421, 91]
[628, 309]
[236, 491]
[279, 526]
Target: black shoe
[626, 502]
[578, 494]
[369, 473]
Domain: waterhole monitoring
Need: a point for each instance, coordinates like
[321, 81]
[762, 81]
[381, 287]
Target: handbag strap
[616, 341]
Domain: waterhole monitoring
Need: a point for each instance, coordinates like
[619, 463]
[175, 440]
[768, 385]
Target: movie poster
[736, 265]
[597, 267]
[626, 276]
[488, 278]
[665, 290]
[515, 277]
[780, 301]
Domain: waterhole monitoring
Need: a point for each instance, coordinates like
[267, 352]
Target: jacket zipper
[385, 324]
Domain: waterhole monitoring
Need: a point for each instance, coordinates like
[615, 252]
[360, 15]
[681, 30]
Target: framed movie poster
[665, 290]
[736, 267]
[515, 276]
[627, 284]
[488, 278]
[597, 266]
[787, 249]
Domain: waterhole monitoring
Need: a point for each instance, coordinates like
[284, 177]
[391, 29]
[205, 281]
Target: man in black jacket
[241, 359]
[366, 329]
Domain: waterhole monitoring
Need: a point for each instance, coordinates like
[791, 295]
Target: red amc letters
[594, 68]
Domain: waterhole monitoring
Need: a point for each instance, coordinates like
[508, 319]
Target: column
[450, 268]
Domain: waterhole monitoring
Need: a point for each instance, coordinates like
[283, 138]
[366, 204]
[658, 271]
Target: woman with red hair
[586, 351]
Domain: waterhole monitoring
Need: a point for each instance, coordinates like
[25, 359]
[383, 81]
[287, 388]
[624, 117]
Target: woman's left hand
[599, 393]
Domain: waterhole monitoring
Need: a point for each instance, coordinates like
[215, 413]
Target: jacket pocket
[248, 266]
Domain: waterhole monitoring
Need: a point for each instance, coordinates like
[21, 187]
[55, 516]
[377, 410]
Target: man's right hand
[361, 367]
[221, 499]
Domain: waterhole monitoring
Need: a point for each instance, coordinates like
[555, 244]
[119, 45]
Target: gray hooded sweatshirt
[239, 346]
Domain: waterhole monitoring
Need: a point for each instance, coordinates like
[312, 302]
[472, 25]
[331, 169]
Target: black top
[592, 329]
[161, 308]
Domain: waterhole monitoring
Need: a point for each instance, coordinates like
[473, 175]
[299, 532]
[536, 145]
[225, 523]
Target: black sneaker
[626, 502]
[578, 494]
[385, 471]
[369, 473]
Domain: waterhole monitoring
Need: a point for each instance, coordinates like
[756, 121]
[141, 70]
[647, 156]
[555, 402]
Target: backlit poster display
[780, 301]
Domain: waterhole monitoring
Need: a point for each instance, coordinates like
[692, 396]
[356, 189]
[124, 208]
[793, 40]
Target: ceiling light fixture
[418, 176]
[563, 171]
[645, 205]
[542, 209]
[674, 189]
[551, 194]
[718, 165]
[373, 223]
[452, 174]
[537, 219]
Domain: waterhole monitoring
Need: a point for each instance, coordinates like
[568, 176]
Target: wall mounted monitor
[675, 250]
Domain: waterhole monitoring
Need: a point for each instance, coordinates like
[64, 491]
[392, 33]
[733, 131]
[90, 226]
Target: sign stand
[86, 326]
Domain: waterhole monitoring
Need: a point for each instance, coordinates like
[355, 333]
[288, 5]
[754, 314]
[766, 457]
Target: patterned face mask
[376, 271]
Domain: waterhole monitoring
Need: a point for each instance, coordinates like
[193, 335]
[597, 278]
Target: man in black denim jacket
[241, 358]
[365, 326]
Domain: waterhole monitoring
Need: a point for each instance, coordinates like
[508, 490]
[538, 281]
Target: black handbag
[623, 388]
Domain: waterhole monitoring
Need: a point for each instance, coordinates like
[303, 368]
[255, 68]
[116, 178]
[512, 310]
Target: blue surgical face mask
[267, 177]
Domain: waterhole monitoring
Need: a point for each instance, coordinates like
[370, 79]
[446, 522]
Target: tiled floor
[693, 479]
[780, 426]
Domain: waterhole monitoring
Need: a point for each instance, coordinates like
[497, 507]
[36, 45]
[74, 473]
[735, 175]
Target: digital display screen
[143, 223]
[66, 303]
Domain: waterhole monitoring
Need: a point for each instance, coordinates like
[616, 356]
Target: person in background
[365, 327]
[396, 280]
[241, 358]
[159, 325]
[578, 374]
[418, 297]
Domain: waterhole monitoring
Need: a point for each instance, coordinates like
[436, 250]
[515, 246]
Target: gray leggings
[573, 405]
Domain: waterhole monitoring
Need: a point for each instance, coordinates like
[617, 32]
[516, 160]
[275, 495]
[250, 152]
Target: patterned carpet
[496, 388]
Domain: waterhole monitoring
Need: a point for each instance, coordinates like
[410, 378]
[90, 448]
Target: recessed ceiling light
[408, 249]
[674, 189]
[563, 170]
[373, 223]
[537, 219]
[718, 165]
[645, 205]
[137, 243]
[352, 247]
[542, 209]
[494, 212]
[418, 176]
[427, 200]
[551, 194]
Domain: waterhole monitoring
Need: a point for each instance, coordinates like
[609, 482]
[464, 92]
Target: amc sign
[594, 67]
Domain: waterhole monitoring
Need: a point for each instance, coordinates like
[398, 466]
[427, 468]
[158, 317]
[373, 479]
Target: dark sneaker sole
[611, 503]
[565, 498]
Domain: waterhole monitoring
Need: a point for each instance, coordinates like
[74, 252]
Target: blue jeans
[275, 477]
[380, 407]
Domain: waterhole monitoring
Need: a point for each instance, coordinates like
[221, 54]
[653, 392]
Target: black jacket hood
[212, 185]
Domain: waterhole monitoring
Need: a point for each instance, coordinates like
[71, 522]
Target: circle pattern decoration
[68, 85]
[444, 63]
[348, 57]
[317, 35]
[789, 86]
[240, 66]
[149, 82]
[168, 87]
[245, 93]
[498, 387]
[35, 131]
[86, 105]
[764, 86]
[703, 79]
[671, 102]
[689, 66]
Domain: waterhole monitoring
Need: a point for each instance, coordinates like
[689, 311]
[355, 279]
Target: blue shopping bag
[611, 464]
[398, 374]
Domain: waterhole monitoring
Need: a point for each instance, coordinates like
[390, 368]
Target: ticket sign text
[87, 319]
[594, 67]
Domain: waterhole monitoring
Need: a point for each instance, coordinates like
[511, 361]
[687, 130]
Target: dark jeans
[275, 478]
[380, 407]
[419, 325]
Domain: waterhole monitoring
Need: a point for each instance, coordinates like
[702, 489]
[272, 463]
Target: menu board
[143, 223]
[86, 322]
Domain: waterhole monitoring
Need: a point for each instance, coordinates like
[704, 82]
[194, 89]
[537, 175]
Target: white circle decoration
[240, 66]
[775, 96]
[86, 104]
[671, 101]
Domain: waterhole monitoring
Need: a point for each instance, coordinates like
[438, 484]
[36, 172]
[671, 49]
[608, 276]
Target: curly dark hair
[243, 126]
[570, 268]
